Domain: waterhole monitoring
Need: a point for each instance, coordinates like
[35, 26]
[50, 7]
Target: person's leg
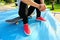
[30, 10]
[22, 13]
[39, 17]
[38, 12]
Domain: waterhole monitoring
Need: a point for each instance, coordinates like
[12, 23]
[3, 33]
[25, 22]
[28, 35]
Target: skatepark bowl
[48, 30]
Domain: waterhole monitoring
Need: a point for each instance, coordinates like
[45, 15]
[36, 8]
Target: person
[24, 12]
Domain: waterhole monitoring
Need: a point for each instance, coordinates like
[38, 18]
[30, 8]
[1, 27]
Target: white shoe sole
[26, 33]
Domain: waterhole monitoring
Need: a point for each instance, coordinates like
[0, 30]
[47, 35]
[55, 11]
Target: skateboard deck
[14, 20]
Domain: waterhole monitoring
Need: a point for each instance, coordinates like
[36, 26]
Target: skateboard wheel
[31, 16]
[17, 22]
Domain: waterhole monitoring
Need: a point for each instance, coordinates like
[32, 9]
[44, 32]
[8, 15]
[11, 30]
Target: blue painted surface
[49, 30]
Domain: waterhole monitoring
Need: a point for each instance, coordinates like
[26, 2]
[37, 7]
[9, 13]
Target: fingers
[43, 7]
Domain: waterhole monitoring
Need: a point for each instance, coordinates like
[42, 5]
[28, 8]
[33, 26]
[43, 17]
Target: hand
[42, 7]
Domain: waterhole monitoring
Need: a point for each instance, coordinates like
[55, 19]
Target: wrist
[39, 6]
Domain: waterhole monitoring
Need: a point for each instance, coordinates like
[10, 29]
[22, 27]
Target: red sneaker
[41, 19]
[27, 29]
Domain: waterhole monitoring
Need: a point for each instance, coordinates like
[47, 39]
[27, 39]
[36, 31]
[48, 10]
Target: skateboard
[14, 20]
